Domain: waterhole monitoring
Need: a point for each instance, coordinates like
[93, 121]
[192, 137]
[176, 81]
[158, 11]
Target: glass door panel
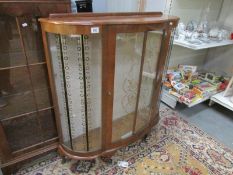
[76, 62]
[127, 70]
[23, 131]
[48, 125]
[41, 86]
[11, 54]
[16, 92]
[31, 33]
[25, 111]
[146, 104]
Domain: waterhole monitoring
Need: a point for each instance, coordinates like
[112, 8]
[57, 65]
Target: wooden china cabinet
[105, 73]
[27, 123]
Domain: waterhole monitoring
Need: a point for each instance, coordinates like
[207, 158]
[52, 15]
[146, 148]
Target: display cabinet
[105, 72]
[27, 122]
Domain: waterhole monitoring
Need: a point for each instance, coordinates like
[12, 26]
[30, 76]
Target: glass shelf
[25, 90]
[30, 129]
[212, 44]
[23, 103]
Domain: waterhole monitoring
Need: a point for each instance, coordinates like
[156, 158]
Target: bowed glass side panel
[129, 48]
[76, 65]
[148, 92]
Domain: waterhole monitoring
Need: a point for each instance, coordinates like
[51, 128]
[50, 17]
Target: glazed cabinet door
[26, 111]
[77, 70]
[105, 83]
[136, 61]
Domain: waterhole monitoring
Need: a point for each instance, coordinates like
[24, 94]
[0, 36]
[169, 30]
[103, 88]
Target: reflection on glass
[127, 70]
[76, 62]
[23, 131]
[16, 92]
[41, 86]
[147, 89]
[48, 125]
[21, 90]
[10, 49]
[24, 90]
[32, 39]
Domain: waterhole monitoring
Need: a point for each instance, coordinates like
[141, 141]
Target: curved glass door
[129, 48]
[134, 82]
[76, 63]
[147, 104]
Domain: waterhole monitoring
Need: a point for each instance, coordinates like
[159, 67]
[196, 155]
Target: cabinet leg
[144, 138]
[65, 159]
[107, 158]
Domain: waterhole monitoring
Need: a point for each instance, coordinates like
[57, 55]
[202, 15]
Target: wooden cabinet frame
[109, 26]
[18, 10]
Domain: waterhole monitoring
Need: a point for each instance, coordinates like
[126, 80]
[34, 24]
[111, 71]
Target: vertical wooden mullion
[159, 71]
[155, 87]
[140, 79]
[108, 71]
[170, 45]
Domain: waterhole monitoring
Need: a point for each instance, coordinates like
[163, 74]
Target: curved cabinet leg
[144, 138]
[65, 159]
[107, 157]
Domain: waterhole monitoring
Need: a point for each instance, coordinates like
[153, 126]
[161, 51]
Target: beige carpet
[174, 147]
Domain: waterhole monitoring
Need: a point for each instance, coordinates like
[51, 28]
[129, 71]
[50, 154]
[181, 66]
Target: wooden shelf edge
[22, 66]
[31, 154]
[27, 113]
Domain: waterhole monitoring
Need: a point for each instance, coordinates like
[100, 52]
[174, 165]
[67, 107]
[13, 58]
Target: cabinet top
[88, 19]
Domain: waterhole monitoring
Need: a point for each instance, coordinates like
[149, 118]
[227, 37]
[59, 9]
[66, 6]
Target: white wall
[97, 5]
[220, 60]
[155, 5]
[122, 5]
[180, 55]
[186, 10]
[133, 5]
[191, 10]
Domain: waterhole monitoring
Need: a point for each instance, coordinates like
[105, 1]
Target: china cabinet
[27, 123]
[105, 72]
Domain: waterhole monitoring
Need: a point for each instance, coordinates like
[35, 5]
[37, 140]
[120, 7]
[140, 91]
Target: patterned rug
[174, 147]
